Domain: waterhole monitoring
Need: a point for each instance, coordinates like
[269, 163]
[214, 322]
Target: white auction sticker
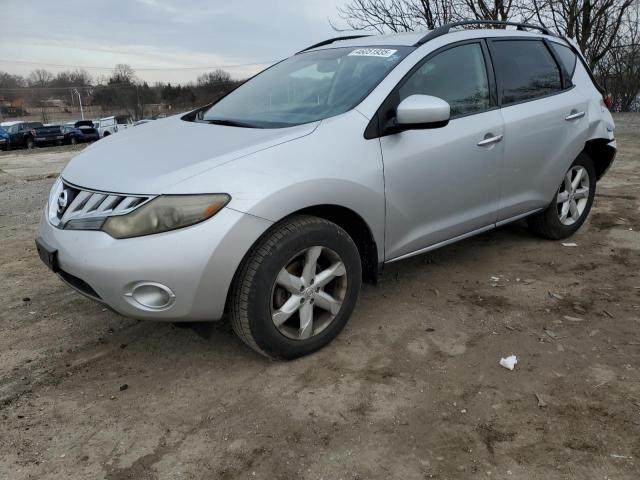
[372, 52]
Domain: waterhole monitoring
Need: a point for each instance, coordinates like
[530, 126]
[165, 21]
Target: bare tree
[40, 78]
[10, 85]
[408, 15]
[619, 69]
[123, 74]
[74, 78]
[395, 15]
[216, 77]
[493, 10]
[594, 24]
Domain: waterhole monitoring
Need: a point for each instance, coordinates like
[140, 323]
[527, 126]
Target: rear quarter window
[525, 70]
[566, 56]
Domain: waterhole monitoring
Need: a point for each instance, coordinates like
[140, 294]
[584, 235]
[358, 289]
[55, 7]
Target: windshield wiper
[230, 123]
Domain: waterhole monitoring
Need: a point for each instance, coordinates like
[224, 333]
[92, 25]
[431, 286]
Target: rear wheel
[571, 204]
[297, 288]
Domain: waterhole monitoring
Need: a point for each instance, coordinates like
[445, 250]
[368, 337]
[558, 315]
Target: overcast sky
[162, 36]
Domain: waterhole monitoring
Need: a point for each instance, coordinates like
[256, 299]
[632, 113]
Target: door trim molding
[472, 233]
[443, 243]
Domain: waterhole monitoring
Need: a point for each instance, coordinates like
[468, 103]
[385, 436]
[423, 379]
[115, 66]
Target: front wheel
[30, 143]
[571, 204]
[297, 288]
[74, 141]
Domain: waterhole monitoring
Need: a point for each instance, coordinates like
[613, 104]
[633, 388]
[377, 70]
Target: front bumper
[196, 263]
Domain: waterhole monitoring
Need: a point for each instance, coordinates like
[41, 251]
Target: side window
[525, 70]
[566, 56]
[457, 75]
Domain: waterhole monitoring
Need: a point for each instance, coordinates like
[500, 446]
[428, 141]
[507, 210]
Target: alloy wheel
[573, 195]
[308, 293]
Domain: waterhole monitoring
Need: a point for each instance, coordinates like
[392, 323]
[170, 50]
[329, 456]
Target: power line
[139, 69]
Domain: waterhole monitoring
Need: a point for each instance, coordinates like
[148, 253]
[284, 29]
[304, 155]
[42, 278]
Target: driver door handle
[489, 141]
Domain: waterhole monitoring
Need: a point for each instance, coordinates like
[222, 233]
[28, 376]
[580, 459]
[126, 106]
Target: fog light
[154, 296]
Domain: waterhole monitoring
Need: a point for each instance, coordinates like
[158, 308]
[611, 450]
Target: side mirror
[422, 111]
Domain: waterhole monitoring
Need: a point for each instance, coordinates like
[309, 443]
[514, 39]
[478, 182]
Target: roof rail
[444, 29]
[330, 41]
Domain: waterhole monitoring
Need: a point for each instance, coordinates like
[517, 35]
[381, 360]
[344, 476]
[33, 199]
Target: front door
[443, 183]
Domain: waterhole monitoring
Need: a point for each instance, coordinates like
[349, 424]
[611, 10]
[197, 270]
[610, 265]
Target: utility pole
[77, 92]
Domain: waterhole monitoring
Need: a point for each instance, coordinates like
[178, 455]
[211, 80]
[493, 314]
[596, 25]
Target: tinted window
[566, 56]
[525, 70]
[457, 75]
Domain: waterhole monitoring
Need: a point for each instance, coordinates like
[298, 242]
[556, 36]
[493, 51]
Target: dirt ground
[411, 389]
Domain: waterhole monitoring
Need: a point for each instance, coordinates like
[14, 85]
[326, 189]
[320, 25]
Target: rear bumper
[52, 139]
[87, 138]
[196, 264]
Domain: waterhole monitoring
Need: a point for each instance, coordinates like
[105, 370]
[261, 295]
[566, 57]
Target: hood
[150, 158]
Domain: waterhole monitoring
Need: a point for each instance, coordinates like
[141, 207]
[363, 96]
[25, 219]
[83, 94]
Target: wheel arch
[601, 153]
[358, 230]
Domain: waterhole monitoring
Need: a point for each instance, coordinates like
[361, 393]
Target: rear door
[545, 124]
[443, 183]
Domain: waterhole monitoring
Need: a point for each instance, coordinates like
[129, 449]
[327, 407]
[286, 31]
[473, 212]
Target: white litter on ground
[509, 362]
[569, 244]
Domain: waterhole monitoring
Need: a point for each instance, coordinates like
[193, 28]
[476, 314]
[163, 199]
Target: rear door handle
[490, 141]
[573, 116]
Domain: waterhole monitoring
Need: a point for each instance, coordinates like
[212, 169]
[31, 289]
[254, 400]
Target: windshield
[306, 87]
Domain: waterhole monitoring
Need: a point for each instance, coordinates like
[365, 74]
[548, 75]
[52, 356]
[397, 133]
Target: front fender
[334, 165]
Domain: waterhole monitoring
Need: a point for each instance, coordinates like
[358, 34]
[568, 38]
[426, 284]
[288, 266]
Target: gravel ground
[411, 389]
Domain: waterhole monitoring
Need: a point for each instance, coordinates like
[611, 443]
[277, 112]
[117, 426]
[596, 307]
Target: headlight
[164, 213]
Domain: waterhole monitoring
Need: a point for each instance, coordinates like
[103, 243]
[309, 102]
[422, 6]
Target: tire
[259, 298]
[74, 141]
[106, 134]
[30, 144]
[550, 222]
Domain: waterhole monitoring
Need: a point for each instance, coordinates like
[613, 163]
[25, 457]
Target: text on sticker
[372, 52]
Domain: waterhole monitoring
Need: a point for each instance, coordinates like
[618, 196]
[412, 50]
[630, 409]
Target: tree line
[121, 91]
[607, 32]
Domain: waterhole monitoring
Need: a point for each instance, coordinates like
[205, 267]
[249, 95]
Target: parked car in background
[309, 177]
[4, 139]
[32, 134]
[79, 132]
[110, 125]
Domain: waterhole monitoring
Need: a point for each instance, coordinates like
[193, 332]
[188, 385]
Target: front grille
[72, 207]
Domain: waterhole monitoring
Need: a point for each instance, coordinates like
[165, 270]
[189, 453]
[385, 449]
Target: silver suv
[277, 201]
